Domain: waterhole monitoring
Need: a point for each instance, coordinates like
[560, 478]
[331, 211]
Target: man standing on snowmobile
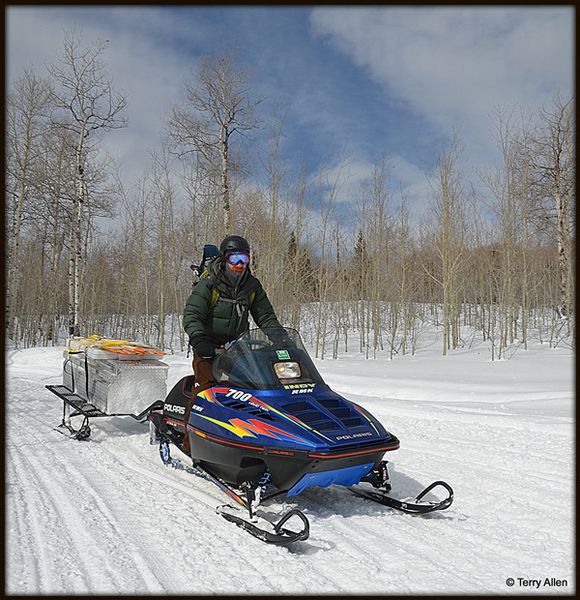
[217, 310]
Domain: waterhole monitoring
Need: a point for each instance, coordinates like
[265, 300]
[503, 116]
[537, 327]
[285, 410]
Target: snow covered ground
[105, 516]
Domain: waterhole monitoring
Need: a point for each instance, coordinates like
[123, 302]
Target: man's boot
[185, 445]
[203, 380]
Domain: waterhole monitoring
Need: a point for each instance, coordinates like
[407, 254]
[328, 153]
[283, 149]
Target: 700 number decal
[239, 395]
[243, 397]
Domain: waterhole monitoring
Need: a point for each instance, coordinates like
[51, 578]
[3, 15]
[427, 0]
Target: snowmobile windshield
[256, 362]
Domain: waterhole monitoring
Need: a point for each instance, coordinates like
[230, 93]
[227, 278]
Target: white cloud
[455, 65]
[412, 183]
[353, 180]
[449, 64]
[352, 175]
[142, 64]
[344, 179]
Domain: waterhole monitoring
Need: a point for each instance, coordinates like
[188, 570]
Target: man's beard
[232, 277]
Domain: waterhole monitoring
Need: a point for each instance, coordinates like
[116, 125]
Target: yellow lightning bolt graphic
[235, 429]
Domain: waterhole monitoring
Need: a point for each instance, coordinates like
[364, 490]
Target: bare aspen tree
[340, 313]
[298, 278]
[406, 290]
[193, 185]
[328, 193]
[167, 253]
[553, 163]
[86, 104]
[273, 250]
[56, 191]
[27, 107]
[503, 185]
[360, 274]
[380, 273]
[264, 217]
[378, 259]
[448, 211]
[523, 177]
[304, 284]
[218, 108]
[478, 266]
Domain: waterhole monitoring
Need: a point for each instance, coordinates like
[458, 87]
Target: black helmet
[234, 243]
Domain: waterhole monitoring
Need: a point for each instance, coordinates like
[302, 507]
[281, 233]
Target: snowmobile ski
[281, 536]
[415, 506]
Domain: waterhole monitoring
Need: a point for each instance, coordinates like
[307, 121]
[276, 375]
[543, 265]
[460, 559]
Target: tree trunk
[13, 251]
[225, 183]
[71, 293]
[562, 239]
[74, 320]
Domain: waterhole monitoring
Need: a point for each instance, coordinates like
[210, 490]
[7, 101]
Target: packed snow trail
[106, 516]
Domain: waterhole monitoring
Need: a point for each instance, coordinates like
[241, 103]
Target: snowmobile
[270, 427]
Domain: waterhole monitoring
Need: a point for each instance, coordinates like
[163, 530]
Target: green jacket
[220, 313]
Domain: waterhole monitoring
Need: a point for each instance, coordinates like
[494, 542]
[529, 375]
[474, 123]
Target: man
[217, 310]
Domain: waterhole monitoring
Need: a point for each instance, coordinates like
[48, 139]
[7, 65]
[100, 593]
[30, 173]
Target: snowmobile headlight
[287, 370]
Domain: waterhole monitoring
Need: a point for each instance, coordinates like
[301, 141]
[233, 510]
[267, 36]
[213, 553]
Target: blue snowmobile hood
[303, 417]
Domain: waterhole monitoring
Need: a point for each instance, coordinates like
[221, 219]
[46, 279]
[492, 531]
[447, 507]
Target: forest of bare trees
[88, 253]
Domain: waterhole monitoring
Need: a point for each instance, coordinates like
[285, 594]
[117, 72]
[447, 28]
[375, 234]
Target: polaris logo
[174, 408]
[353, 435]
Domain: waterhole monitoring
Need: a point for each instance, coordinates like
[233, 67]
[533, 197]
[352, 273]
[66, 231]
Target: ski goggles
[235, 258]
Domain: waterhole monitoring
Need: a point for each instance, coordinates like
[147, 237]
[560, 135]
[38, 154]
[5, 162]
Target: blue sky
[352, 82]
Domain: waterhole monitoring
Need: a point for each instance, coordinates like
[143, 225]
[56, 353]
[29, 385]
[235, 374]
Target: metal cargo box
[116, 387]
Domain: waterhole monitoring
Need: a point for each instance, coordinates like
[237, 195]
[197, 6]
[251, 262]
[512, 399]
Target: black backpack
[210, 253]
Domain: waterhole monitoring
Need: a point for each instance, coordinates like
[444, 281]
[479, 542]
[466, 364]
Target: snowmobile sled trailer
[98, 383]
[272, 426]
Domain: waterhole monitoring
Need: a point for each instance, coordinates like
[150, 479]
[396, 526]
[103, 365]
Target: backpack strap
[215, 296]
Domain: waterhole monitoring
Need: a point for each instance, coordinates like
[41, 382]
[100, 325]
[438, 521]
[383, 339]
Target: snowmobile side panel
[175, 404]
